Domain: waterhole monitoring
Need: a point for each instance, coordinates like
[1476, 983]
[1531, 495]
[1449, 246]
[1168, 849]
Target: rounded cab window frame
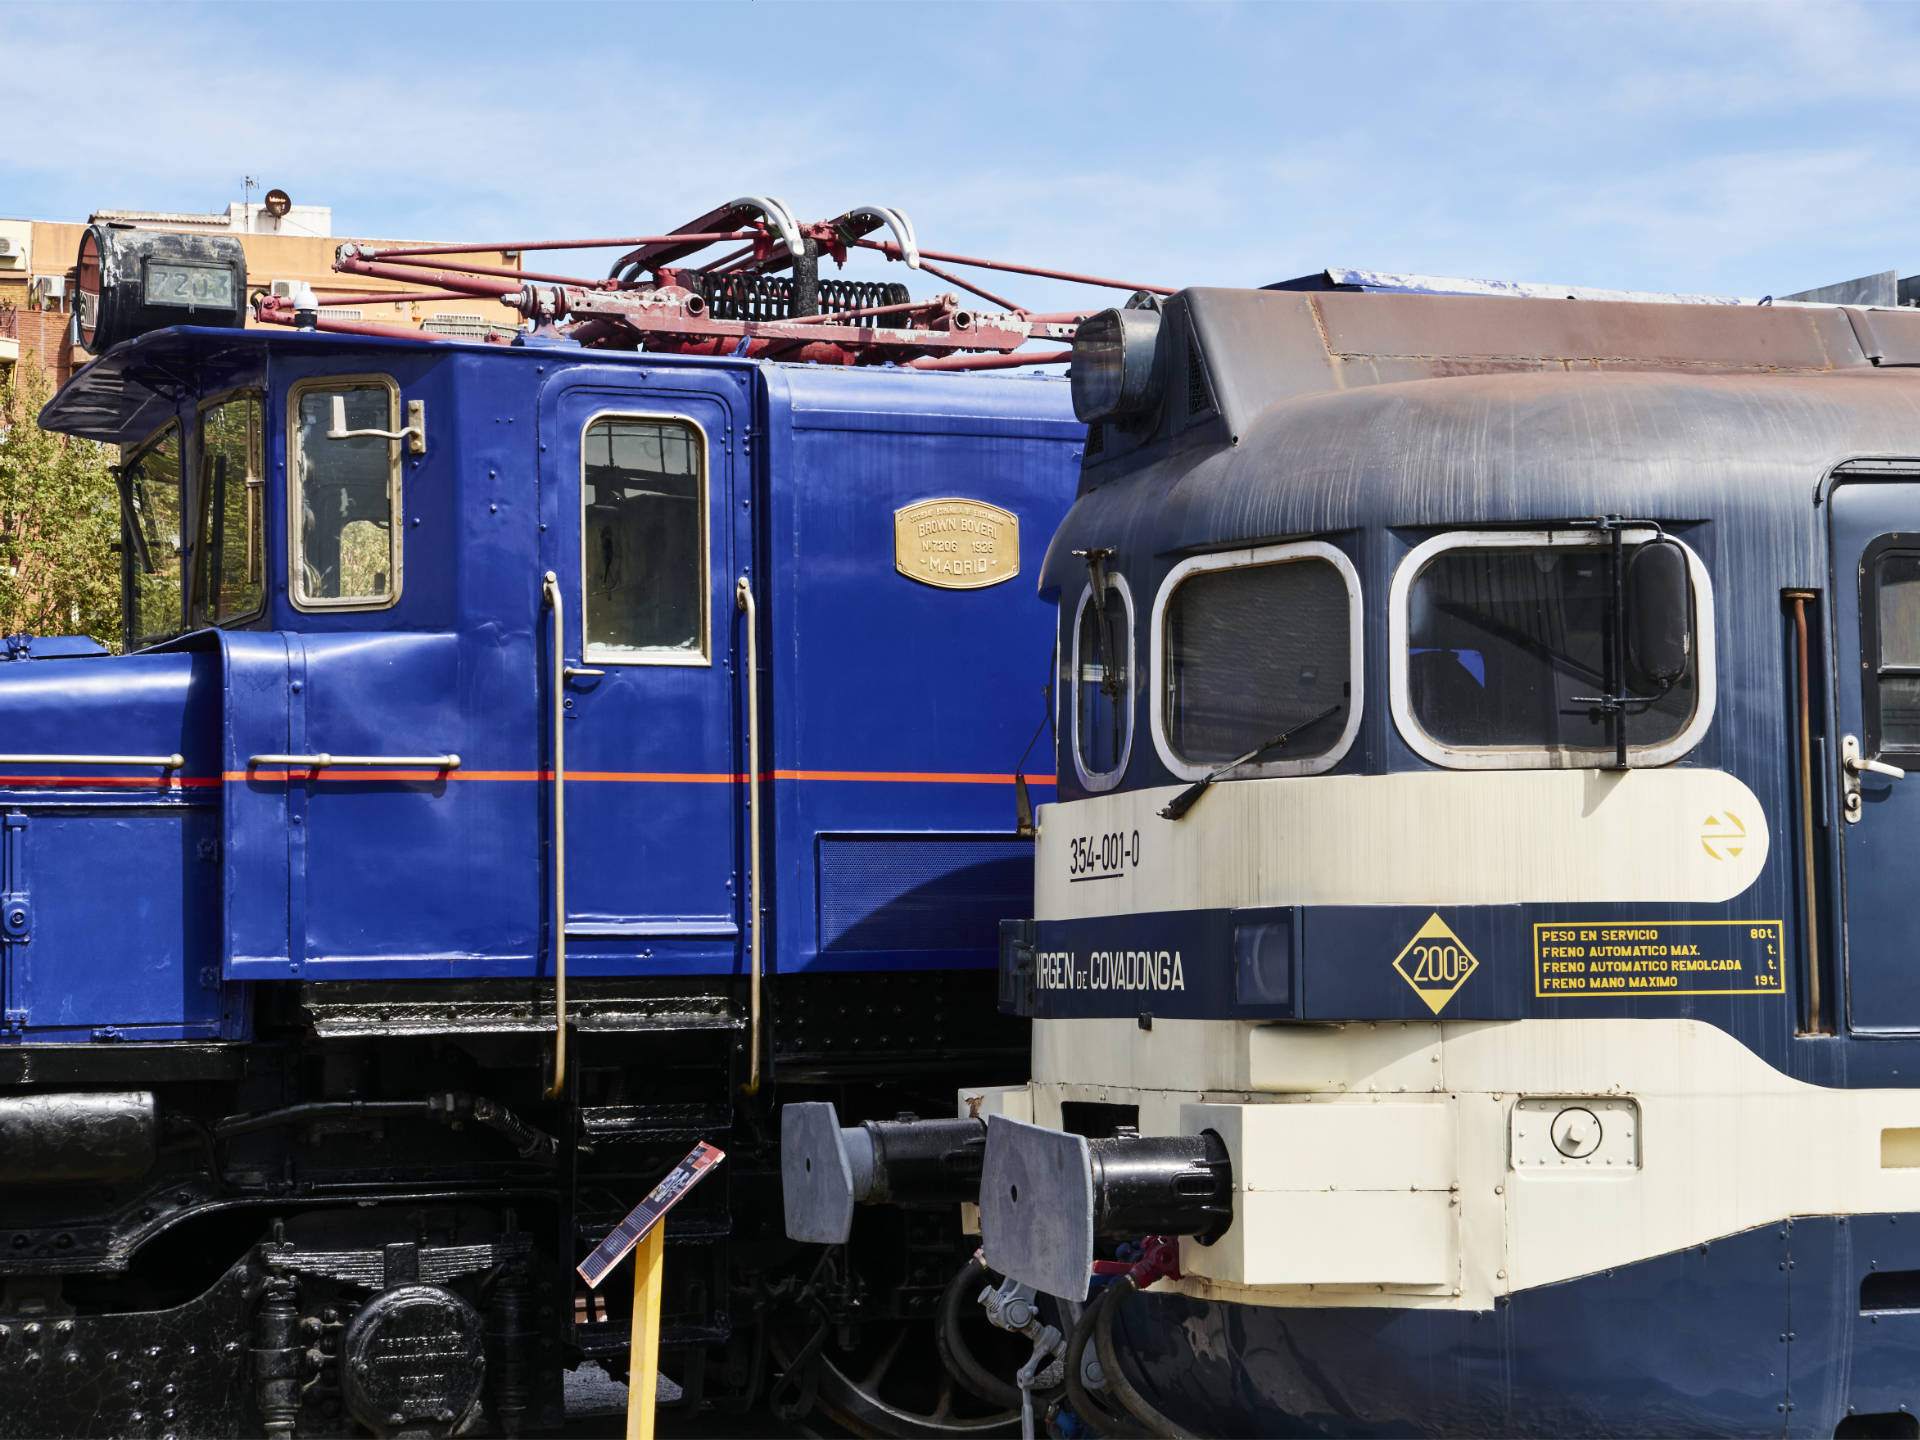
[1508, 757]
[1102, 780]
[296, 575]
[1252, 558]
[602, 655]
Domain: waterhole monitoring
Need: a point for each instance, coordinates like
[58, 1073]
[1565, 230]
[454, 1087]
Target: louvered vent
[1199, 392]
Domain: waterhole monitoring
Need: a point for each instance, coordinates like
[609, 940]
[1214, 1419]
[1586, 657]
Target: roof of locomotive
[121, 397]
[1338, 411]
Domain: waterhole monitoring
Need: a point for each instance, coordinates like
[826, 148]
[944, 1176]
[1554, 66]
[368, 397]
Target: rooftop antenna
[247, 186]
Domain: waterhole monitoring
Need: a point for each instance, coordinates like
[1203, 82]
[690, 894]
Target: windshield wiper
[1189, 797]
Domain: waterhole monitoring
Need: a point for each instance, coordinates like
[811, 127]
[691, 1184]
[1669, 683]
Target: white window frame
[1533, 757]
[396, 508]
[595, 655]
[1097, 780]
[1253, 558]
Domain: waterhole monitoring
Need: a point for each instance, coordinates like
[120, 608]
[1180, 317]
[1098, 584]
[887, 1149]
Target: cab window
[230, 550]
[345, 495]
[1509, 657]
[1103, 684]
[1260, 661]
[643, 541]
[151, 551]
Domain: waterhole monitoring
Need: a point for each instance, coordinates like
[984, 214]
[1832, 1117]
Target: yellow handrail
[550, 591]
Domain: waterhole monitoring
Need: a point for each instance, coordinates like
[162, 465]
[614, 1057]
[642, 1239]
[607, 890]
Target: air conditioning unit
[47, 292]
[282, 289]
[13, 253]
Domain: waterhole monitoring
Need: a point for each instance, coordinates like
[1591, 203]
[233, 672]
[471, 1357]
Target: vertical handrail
[743, 600]
[1816, 1020]
[550, 592]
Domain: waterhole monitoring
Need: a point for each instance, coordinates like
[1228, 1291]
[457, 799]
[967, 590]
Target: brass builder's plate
[956, 544]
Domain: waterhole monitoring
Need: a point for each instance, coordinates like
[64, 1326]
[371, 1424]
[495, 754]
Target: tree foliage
[59, 522]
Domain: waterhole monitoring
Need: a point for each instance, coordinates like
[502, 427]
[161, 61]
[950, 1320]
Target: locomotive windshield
[230, 560]
[1507, 645]
[150, 491]
[1256, 651]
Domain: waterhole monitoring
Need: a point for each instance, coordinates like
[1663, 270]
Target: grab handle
[743, 600]
[165, 762]
[550, 592]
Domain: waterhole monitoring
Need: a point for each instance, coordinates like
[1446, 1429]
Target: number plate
[189, 286]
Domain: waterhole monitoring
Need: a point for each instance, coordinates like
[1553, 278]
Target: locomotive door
[638, 507]
[1876, 611]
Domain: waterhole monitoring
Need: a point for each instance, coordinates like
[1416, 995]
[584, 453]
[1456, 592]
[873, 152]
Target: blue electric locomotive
[528, 758]
[1471, 914]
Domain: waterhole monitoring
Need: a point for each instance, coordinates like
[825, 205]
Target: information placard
[1657, 957]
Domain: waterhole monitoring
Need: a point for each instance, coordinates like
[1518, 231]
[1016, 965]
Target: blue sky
[1742, 149]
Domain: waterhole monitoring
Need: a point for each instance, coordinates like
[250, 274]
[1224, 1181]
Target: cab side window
[155, 526]
[345, 496]
[230, 552]
[643, 528]
[1893, 681]
[1103, 684]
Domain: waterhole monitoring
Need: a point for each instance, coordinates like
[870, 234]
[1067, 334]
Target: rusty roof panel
[1721, 337]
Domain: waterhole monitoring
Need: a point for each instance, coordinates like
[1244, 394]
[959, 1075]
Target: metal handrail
[550, 592]
[323, 761]
[743, 599]
[165, 762]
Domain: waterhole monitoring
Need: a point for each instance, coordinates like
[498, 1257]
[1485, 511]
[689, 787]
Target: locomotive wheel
[892, 1384]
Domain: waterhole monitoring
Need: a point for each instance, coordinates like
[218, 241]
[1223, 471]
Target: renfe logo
[1435, 963]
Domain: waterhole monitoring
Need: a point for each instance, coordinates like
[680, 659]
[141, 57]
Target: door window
[150, 487]
[1892, 645]
[643, 496]
[230, 560]
[346, 495]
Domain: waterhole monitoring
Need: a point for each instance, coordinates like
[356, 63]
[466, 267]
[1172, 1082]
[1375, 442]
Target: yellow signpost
[643, 1232]
[643, 1356]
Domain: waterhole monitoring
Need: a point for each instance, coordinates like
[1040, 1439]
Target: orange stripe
[639, 777]
[95, 782]
[905, 777]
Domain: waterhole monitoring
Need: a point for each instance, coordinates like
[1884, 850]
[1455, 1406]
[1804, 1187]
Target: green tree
[59, 522]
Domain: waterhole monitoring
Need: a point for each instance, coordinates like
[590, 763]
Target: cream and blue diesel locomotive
[1477, 913]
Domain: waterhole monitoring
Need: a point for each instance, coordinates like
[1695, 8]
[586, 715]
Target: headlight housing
[1115, 370]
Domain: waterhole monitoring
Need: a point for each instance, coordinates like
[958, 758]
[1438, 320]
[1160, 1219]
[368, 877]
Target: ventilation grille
[1199, 391]
[921, 892]
[341, 312]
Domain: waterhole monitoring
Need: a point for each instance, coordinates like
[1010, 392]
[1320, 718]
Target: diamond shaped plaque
[1435, 963]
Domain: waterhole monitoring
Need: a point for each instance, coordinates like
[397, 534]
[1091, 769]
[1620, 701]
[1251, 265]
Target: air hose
[954, 1354]
[1085, 1403]
[1123, 1389]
